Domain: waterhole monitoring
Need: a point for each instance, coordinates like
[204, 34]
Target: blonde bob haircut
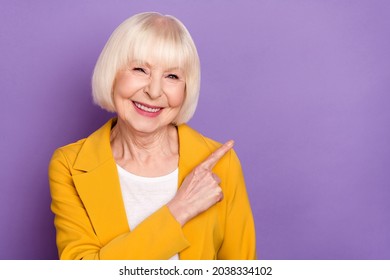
[143, 37]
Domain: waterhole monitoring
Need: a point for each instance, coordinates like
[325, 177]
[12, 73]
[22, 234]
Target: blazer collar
[96, 150]
[193, 150]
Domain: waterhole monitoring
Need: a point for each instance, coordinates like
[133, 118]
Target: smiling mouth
[147, 108]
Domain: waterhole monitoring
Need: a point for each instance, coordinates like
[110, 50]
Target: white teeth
[147, 109]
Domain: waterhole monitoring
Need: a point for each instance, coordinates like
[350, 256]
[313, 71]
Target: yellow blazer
[90, 217]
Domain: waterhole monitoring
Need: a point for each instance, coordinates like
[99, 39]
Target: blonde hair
[141, 37]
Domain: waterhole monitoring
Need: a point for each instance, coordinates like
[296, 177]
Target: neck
[130, 145]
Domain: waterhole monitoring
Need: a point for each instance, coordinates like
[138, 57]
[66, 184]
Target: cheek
[120, 98]
[176, 96]
[126, 85]
[121, 106]
[122, 89]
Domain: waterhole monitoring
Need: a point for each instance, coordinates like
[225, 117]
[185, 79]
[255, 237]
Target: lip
[147, 105]
[147, 113]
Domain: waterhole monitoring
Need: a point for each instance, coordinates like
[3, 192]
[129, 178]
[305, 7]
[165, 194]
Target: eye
[173, 76]
[139, 69]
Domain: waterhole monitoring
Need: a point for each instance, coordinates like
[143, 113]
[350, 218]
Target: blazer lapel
[98, 185]
[193, 150]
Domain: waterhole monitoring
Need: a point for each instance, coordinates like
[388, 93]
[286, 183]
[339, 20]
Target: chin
[147, 126]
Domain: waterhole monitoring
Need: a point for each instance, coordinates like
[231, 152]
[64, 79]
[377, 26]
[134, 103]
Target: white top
[143, 196]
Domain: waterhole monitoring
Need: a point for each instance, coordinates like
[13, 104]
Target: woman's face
[147, 96]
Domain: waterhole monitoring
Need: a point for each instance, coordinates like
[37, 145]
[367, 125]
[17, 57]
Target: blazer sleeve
[239, 236]
[159, 236]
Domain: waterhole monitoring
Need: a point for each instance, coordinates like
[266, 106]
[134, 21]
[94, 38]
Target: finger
[220, 195]
[216, 178]
[212, 160]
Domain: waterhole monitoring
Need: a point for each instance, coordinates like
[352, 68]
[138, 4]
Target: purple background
[302, 86]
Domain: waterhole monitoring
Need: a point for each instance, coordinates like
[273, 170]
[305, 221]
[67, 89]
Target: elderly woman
[145, 185]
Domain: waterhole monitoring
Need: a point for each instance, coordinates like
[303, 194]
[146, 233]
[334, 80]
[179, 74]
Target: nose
[153, 88]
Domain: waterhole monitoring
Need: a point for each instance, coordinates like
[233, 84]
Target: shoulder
[195, 148]
[88, 152]
[188, 134]
[68, 153]
[194, 145]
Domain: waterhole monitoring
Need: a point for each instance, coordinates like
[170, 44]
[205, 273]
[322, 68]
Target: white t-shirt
[143, 196]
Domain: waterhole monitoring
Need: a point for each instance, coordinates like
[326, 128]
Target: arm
[239, 240]
[158, 237]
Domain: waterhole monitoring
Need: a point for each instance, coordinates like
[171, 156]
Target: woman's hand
[200, 189]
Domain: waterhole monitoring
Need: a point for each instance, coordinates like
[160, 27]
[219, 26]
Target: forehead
[157, 55]
[167, 49]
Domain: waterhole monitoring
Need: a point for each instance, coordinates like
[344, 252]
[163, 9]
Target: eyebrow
[140, 62]
[150, 66]
[175, 68]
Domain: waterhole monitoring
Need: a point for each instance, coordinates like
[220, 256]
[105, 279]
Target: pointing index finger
[212, 160]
